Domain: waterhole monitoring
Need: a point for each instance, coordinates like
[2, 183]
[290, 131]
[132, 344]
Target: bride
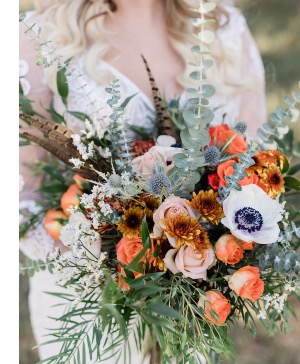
[106, 38]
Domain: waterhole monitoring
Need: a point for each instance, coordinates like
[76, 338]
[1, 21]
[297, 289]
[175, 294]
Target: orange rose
[218, 304]
[246, 283]
[120, 278]
[128, 249]
[247, 246]
[52, 226]
[226, 169]
[70, 198]
[79, 181]
[228, 250]
[221, 134]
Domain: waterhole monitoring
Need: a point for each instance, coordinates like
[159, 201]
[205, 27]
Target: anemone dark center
[248, 219]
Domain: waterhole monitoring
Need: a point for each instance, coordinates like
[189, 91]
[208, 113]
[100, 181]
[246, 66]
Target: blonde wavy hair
[77, 27]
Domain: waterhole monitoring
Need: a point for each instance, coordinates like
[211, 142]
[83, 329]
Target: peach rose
[157, 154]
[217, 303]
[172, 205]
[189, 262]
[221, 134]
[226, 169]
[52, 226]
[228, 250]
[79, 181]
[70, 198]
[246, 283]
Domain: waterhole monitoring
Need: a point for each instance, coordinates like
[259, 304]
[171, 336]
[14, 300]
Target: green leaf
[127, 100]
[180, 160]
[55, 115]
[164, 310]
[145, 233]
[208, 90]
[80, 115]
[195, 75]
[296, 150]
[292, 183]
[286, 165]
[294, 169]
[55, 174]
[148, 290]
[62, 84]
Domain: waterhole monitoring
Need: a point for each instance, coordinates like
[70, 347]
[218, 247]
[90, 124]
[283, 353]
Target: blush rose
[157, 154]
[172, 205]
[190, 263]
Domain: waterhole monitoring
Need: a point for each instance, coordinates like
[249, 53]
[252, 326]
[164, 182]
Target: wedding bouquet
[179, 237]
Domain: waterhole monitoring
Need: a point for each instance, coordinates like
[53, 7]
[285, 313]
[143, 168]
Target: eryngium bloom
[132, 222]
[207, 205]
[252, 215]
[182, 229]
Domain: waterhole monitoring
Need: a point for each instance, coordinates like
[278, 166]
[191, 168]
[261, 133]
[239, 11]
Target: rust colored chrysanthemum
[182, 229]
[132, 222]
[273, 180]
[150, 204]
[140, 147]
[207, 206]
[203, 243]
[264, 159]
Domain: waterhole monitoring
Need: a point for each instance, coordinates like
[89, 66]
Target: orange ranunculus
[79, 181]
[219, 304]
[246, 283]
[214, 181]
[52, 226]
[228, 250]
[70, 198]
[226, 169]
[221, 134]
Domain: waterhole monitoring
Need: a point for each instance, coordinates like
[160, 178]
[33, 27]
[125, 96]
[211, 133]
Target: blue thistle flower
[241, 127]
[212, 155]
[158, 182]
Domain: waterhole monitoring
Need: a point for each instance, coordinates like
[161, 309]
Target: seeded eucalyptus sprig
[277, 127]
[199, 114]
[117, 129]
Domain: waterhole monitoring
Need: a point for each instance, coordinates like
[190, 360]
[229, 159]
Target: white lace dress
[239, 80]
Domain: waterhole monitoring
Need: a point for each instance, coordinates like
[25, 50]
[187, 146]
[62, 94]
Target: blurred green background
[275, 25]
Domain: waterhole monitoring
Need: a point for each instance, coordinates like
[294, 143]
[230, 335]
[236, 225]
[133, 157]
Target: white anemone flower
[252, 215]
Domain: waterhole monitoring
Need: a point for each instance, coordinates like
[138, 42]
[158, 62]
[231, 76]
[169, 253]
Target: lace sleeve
[36, 244]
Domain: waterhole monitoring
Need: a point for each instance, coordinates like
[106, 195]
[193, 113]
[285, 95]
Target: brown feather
[52, 130]
[162, 113]
[61, 152]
